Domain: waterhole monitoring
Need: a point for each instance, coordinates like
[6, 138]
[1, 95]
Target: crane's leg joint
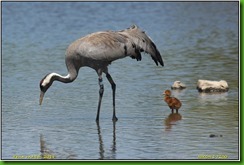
[100, 81]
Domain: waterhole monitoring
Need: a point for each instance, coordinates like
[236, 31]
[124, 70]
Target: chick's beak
[41, 97]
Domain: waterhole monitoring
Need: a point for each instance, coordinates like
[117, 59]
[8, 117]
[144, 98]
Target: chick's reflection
[171, 120]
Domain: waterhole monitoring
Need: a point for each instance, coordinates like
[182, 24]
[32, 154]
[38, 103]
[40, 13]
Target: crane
[97, 50]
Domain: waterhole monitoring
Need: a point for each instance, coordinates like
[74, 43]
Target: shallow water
[196, 40]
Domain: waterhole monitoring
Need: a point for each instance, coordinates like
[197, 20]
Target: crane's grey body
[97, 51]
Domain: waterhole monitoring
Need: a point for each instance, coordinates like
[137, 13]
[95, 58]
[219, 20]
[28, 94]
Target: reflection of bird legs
[101, 148]
[113, 148]
[101, 145]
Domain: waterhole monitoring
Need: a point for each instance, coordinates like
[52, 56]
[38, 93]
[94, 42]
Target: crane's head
[45, 83]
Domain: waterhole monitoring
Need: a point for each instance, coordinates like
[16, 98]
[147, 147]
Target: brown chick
[172, 102]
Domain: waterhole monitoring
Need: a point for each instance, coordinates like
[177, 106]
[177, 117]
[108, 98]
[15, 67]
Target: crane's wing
[140, 42]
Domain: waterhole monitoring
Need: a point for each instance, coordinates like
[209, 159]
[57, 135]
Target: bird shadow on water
[112, 153]
[171, 120]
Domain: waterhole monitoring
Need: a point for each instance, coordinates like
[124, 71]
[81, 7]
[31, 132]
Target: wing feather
[143, 43]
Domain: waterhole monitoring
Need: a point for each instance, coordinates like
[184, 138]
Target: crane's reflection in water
[112, 153]
[48, 154]
[171, 120]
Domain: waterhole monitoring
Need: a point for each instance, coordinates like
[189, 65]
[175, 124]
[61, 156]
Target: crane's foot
[114, 119]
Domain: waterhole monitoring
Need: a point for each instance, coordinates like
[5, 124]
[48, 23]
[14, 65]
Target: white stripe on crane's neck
[49, 77]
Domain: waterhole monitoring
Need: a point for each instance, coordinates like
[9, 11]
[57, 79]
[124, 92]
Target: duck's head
[167, 93]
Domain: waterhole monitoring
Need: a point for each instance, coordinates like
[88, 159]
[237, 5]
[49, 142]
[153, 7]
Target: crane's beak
[41, 97]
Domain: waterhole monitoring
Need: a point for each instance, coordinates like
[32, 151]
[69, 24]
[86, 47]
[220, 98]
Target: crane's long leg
[113, 85]
[100, 82]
